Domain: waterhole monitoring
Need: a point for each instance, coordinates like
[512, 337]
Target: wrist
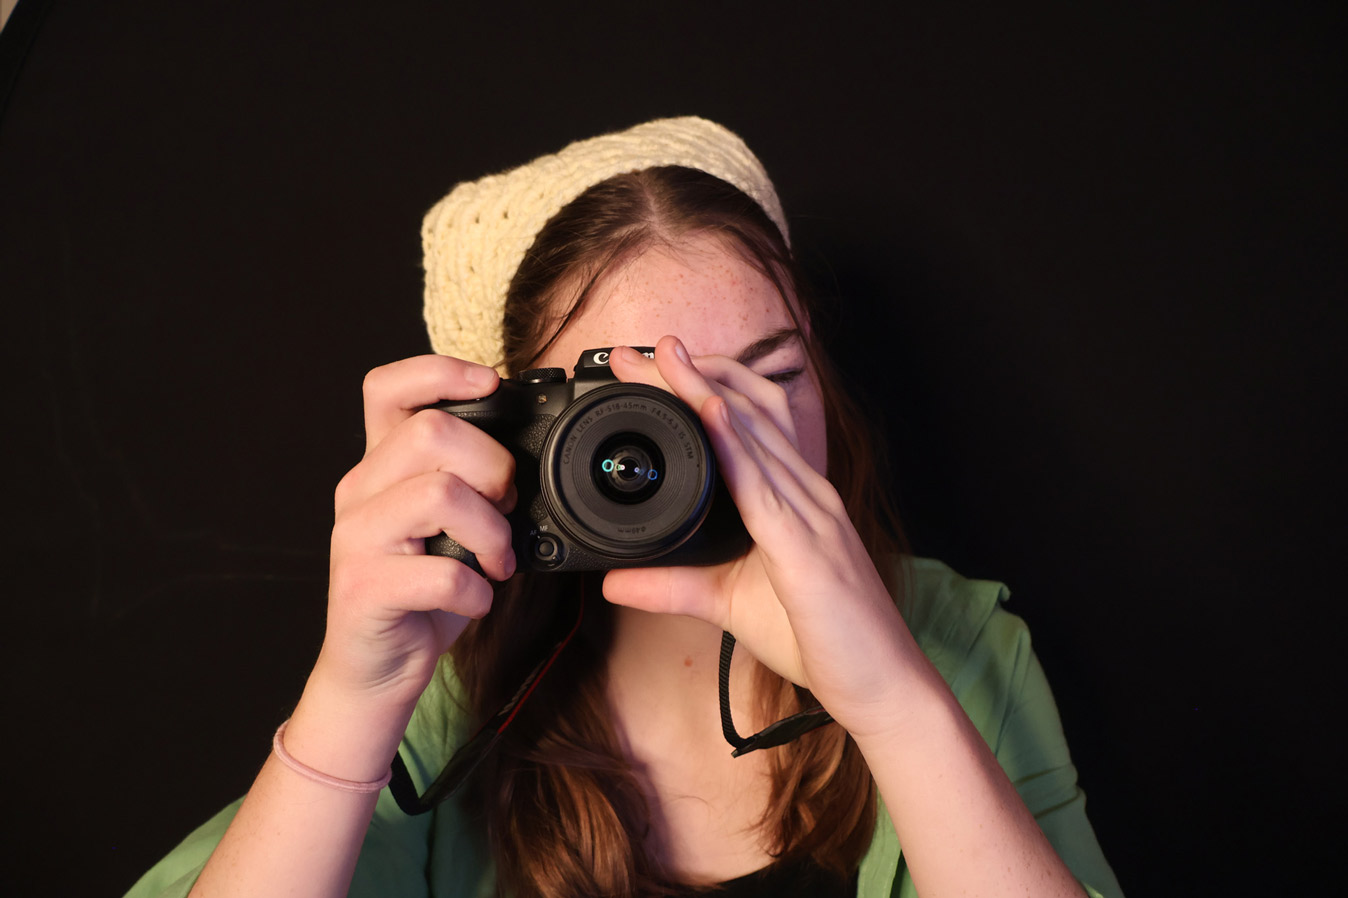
[345, 737]
[908, 697]
[362, 787]
[924, 713]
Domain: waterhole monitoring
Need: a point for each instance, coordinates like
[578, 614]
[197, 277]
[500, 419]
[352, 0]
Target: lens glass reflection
[628, 468]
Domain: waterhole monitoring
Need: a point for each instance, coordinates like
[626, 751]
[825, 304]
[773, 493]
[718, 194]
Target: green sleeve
[1025, 732]
[1002, 688]
[984, 653]
[174, 876]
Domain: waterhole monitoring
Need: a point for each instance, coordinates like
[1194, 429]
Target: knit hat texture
[475, 238]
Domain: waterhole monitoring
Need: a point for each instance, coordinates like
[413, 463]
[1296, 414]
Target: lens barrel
[627, 472]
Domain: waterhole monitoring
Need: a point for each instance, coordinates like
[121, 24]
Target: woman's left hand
[806, 600]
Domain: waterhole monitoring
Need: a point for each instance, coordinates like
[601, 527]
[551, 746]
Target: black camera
[609, 474]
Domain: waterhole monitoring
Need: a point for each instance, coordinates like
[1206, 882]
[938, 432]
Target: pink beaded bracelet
[310, 773]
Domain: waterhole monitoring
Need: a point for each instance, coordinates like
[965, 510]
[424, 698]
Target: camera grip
[443, 545]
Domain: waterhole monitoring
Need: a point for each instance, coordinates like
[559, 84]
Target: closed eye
[785, 378]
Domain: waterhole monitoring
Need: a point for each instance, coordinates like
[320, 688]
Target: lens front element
[627, 468]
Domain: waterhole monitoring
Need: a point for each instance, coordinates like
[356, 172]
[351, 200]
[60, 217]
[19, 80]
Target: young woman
[614, 777]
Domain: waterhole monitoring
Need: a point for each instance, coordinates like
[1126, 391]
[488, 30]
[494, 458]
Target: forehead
[696, 289]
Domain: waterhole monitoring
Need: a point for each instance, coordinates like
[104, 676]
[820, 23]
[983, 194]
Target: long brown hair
[565, 815]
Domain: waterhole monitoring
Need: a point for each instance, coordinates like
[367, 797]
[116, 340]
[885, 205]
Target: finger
[395, 392]
[398, 584]
[433, 440]
[773, 487]
[630, 366]
[399, 519]
[707, 594]
[665, 590]
[728, 376]
[696, 380]
[765, 468]
[752, 420]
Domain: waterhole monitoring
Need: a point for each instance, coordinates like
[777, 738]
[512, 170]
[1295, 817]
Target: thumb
[666, 590]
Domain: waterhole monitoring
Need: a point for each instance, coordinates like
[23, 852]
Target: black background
[1090, 267]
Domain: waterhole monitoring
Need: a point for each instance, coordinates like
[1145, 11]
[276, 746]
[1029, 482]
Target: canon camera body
[609, 474]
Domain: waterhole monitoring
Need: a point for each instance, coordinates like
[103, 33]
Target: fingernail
[626, 353]
[480, 376]
[681, 352]
[510, 565]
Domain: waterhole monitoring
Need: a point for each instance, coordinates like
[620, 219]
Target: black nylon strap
[736, 741]
[471, 753]
[779, 733]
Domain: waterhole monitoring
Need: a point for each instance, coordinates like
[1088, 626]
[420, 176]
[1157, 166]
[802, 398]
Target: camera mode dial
[543, 376]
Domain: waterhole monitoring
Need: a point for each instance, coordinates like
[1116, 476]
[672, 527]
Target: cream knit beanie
[474, 239]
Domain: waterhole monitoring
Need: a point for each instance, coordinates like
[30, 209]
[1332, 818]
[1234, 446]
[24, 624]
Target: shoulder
[981, 650]
[949, 614]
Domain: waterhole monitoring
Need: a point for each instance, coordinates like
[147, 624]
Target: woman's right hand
[392, 609]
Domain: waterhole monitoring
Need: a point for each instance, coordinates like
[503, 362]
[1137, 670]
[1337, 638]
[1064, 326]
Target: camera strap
[472, 752]
[783, 731]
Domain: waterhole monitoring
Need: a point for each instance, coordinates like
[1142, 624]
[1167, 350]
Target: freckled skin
[688, 291]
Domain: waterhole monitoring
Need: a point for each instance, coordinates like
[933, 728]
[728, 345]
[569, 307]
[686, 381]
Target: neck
[663, 680]
[666, 653]
[662, 691]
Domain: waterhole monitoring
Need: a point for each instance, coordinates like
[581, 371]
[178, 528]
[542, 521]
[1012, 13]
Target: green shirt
[982, 650]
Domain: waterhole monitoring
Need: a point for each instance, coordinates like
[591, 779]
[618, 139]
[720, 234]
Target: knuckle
[346, 583]
[444, 490]
[341, 532]
[467, 593]
[431, 427]
[477, 597]
[347, 489]
[450, 580]
[373, 385]
[833, 504]
[494, 465]
[777, 506]
[834, 527]
[502, 478]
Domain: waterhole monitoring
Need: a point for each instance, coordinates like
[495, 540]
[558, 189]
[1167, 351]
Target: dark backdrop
[1090, 270]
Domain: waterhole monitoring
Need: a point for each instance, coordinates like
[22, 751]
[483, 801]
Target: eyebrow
[767, 345]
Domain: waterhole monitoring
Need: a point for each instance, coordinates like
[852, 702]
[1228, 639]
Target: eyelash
[786, 378]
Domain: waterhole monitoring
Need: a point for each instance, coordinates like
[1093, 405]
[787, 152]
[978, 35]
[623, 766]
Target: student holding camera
[555, 693]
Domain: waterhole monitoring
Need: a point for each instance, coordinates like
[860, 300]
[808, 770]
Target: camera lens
[627, 468]
[627, 473]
